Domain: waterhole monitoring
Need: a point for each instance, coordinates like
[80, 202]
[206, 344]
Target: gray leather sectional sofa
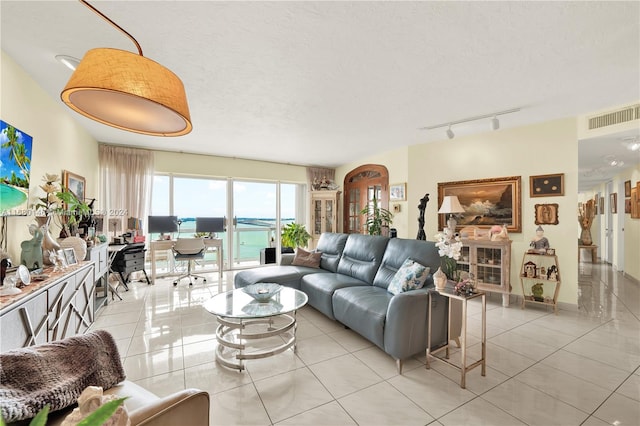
[351, 287]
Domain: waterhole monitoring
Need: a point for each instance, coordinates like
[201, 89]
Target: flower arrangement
[449, 249]
[466, 285]
[61, 202]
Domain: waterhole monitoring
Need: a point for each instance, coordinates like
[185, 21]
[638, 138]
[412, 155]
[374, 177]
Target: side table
[463, 367]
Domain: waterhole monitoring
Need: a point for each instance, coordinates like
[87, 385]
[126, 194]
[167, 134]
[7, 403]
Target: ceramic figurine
[540, 242]
[31, 255]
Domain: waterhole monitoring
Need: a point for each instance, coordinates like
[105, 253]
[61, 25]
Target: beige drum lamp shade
[130, 92]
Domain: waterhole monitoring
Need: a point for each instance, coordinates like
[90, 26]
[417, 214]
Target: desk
[594, 252]
[209, 243]
[463, 367]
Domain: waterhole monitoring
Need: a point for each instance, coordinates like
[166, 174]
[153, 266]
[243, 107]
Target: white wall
[625, 229]
[59, 143]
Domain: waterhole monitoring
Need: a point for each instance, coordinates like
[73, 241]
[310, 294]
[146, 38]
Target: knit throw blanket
[56, 373]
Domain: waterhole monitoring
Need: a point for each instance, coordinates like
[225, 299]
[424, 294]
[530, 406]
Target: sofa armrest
[405, 331]
[187, 407]
[287, 258]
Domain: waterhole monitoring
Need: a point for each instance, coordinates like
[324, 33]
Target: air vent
[615, 117]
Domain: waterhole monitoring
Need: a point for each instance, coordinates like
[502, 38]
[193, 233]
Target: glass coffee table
[241, 319]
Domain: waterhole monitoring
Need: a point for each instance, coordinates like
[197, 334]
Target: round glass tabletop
[238, 304]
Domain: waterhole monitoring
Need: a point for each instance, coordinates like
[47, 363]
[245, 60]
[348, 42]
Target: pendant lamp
[128, 91]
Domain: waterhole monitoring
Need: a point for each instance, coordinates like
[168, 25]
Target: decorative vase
[440, 279]
[585, 237]
[49, 244]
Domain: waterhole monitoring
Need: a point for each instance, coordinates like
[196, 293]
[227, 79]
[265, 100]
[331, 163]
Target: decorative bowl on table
[262, 292]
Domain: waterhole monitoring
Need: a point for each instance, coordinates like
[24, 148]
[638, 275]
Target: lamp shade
[451, 204]
[130, 92]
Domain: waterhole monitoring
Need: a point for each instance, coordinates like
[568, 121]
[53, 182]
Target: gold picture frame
[487, 202]
[546, 185]
[75, 184]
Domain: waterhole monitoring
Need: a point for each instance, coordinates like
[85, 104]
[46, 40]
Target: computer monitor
[210, 224]
[163, 224]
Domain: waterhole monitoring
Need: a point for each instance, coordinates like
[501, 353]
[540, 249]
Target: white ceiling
[326, 83]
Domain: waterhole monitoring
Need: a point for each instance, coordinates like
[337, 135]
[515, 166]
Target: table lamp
[451, 204]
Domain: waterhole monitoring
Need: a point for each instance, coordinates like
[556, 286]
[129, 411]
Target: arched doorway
[360, 186]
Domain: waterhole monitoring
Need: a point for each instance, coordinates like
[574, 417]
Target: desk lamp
[451, 204]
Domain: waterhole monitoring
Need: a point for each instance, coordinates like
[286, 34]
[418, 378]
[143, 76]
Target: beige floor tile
[383, 364]
[291, 393]
[593, 371]
[271, 366]
[631, 387]
[350, 340]
[214, 378]
[344, 375]
[565, 387]
[319, 348]
[327, 414]
[306, 329]
[624, 360]
[532, 406]
[152, 342]
[523, 345]
[382, 404]
[479, 412]
[153, 363]
[238, 406]
[430, 390]
[199, 353]
[122, 331]
[164, 384]
[619, 410]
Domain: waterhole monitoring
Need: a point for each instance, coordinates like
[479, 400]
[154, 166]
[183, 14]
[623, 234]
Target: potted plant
[377, 218]
[295, 235]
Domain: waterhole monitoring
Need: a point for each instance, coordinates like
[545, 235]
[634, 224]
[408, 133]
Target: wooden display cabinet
[324, 214]
[540, 280]
[490, 264]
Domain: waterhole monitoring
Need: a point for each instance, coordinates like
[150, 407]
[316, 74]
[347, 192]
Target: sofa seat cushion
[364, 310]
[320, 288]
[288, 276]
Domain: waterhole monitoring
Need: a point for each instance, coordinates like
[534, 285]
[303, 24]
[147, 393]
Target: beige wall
[59, 143]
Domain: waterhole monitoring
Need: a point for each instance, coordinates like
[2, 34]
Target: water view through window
[252, 220]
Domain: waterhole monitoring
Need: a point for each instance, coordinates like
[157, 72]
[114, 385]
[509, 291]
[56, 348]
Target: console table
[58, 307]
[209, 243]
[594, 252]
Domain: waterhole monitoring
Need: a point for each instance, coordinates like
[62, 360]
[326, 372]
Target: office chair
[188, 249]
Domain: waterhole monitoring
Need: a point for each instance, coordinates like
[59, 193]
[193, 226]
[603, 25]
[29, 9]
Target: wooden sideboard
[58, 307]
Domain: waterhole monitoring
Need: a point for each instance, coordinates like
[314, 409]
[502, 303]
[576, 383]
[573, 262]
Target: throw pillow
[306, 258]
[410, 276]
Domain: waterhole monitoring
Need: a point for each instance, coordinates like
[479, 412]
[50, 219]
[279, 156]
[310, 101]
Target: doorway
[361, 185]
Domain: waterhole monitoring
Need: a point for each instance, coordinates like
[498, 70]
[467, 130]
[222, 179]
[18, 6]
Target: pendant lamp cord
[114, 24]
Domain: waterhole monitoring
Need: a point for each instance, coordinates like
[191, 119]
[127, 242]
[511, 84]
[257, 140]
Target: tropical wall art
[15, 167]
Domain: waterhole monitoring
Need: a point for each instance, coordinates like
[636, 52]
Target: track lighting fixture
[495, 123]
[450, 133]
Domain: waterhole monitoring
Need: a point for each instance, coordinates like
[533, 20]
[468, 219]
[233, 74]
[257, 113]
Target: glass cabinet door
[317, 217]
[328, 216]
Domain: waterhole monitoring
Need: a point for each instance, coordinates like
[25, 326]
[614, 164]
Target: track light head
[495, 123]
[450, 133]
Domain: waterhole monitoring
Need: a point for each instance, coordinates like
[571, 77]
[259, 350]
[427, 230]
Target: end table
[463, 367]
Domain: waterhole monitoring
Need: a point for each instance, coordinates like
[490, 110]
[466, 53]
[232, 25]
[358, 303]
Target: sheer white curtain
[126, 175]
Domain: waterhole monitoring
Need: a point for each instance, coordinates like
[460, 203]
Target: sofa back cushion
[331, 246]
[400, 249]
[362, 256]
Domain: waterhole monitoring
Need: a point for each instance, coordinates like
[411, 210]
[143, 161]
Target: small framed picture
[546, 214]
[70, 256]
[613, 202]
[546, 185]
[627, 188]
[601, 205]
[398, 192]
[627, 205]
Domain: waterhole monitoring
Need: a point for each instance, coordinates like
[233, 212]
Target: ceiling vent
[616, 117]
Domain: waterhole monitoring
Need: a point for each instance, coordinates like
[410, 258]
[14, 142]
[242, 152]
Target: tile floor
[577, 368]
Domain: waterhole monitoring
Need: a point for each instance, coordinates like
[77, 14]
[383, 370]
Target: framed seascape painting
[74, 183]
[15, 170]
[486, 202]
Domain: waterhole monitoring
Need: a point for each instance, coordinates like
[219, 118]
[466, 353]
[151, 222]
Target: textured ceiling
[326, 83]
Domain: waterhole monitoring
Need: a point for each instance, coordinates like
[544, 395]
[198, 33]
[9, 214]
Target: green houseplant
[295, 235]
[377, 218]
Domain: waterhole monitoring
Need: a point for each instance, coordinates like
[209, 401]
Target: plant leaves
[41, 418]
[102, 413]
